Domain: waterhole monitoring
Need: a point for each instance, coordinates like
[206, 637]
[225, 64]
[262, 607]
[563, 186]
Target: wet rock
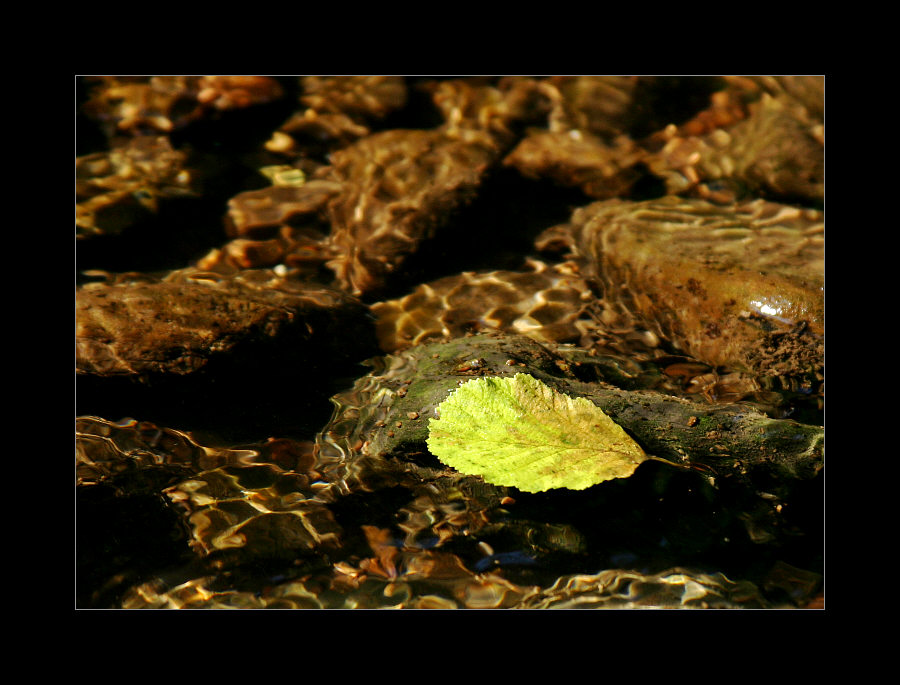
[371, 433]
[609, 107]
[338, 110]
[281, 224]
[226, 507]
[162, 104]
[731, 100]
[807, 90]
[776, 152]
[215, 342]
[187, 320]
[372, 97]
[365, 214]
[263, 213]
[118, 189]
[725, 108]
[747, 465]
[146, 204]
[599, 105]
[559, 303]
[738, 286]
[263, 513]
[430, 580]
[399, 189]
[500, 107]
[728, 138]
[579, 159]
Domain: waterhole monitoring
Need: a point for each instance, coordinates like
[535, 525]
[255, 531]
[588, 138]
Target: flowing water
[270, 492]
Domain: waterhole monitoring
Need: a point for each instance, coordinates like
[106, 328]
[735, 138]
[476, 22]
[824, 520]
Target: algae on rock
[382, 422]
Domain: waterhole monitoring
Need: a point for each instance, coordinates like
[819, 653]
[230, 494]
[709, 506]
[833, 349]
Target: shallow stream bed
[278, 280]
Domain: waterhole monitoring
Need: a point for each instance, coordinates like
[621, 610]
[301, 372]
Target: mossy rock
[380, 427]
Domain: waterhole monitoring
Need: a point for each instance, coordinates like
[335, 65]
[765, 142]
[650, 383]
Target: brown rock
[776, 152]
[575, 158]
[600, 105]
[738, 286]
[367, 97]
[808, 90]
[187, 321]
[498, 109]
[400, 187]
[115, 190]
[337, 110]
[261, 213]
[162, 104]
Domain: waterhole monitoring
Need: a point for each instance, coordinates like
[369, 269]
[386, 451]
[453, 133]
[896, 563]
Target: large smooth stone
[739, 286]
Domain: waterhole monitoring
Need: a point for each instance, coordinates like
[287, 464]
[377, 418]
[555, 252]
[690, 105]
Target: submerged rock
[739, 286]
[337, 110]
[162, 104]
[722, 139]
[282, 224]
[381, 425]
[776, 152]
[580, 159]
[599, 105]
[238, 349]
[266, 212]
[399, 188]
[807, 90]
[188, 320]
[117, 189]
[545, 302]
[499, 110]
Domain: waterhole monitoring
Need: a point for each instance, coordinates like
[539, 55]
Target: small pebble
[412, 415]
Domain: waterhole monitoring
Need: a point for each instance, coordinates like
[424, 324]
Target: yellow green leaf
[521, 433]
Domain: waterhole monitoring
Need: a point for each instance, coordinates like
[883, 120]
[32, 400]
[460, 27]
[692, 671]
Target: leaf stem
[689, 467]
